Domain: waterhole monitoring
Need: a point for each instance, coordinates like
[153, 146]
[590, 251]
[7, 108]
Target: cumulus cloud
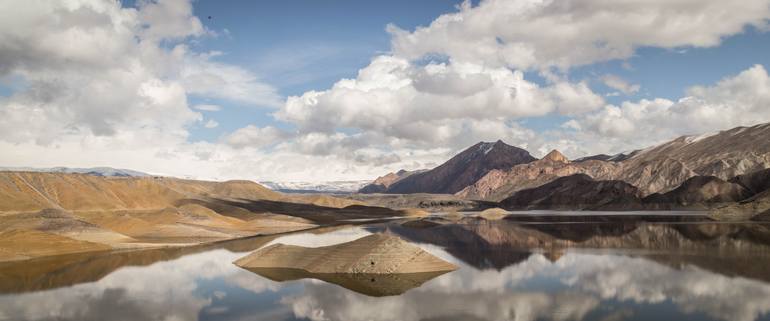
[207, 107]
[168, 20]
[478, 89]
[211, 124]
[97, 68]
[738, 100]
[544, 34]
[435, 103]
[618, 83]
[252, 136]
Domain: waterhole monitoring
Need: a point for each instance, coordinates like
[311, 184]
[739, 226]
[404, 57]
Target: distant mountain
[609, 158]
[318, 187]
[723, 154]
[95, 171]
[463, 169]
[658, 169]
[501, 183]
[381, 184]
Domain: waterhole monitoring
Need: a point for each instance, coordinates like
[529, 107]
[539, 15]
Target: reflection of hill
[315, 213]
[465, 245]
[729, 249]
[375, 285]
[67, 270]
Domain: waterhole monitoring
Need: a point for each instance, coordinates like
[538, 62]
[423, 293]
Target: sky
[313, 91]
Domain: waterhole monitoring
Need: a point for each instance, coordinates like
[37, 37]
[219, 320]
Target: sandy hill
[84, 212]
[373, 254]
[382, 183]
[33, 191]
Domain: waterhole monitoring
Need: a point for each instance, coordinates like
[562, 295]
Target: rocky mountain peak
[463, 169]
[556, 156]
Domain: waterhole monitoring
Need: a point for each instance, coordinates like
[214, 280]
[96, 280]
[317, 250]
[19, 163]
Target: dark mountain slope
[463, 169]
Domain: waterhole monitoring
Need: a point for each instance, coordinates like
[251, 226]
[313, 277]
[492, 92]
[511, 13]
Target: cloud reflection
[579, 285]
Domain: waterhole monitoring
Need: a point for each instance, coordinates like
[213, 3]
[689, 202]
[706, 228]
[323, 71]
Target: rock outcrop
[698, 192]
[556, 157]
[373, 254]
[756, 206]
[500, 184]
[725, 154]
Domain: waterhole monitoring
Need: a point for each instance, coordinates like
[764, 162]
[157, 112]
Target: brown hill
[94, 212]
[373, 254]
[463, 169]
[754, 182]
[382, 183]
[698, 192]
[555, 156]
[755, 207]
[28, 191]
[578, 191]
[242, 189]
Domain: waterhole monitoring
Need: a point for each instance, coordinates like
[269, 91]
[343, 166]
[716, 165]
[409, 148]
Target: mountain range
[332, 187]
[702, 171]
[458, 172]
[95, 171]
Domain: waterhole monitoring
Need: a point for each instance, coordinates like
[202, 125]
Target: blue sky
[348, 90]
[299, 46]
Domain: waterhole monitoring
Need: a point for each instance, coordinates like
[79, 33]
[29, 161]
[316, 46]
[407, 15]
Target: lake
[672, 268]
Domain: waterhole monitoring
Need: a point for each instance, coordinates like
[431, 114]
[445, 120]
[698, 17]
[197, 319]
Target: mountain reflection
[508, 271]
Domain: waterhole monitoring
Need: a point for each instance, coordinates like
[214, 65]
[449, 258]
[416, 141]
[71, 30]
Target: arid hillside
[44, 214]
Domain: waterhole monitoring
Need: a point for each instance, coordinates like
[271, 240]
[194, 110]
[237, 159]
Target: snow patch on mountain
[316, 187]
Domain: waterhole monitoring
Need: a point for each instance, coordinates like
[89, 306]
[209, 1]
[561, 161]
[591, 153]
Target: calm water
[508, 271]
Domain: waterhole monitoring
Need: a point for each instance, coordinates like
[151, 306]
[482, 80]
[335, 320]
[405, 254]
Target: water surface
[678, 270]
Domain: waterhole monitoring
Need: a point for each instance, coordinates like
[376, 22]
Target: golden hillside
[55, 213]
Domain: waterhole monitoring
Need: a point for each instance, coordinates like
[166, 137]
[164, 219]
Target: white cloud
[618, 83]
[433, 104]
[207, 107]
[252, 136]
[96, 68]
[737, 100]
[542, 34]
[168, 19]
[211, 124]
[202, 76]
[583, 284]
